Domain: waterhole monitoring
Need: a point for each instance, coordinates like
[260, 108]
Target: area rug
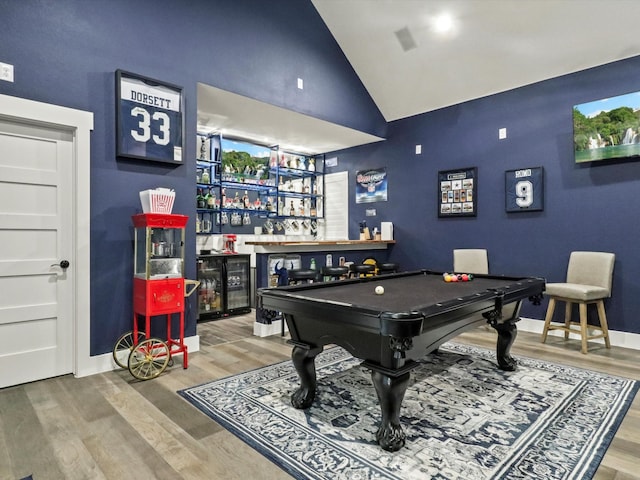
[464, 418]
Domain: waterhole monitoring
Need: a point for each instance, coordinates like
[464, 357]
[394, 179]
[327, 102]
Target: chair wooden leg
[603, 322]
[568, 307]
[583, 326]
[547, 318]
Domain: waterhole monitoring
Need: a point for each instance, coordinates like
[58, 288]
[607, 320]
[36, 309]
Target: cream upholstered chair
[589, 278]
[471, 260]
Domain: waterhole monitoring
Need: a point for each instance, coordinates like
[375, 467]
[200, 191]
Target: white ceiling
[495, 45]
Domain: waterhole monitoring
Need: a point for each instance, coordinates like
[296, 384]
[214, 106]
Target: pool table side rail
[287, 299]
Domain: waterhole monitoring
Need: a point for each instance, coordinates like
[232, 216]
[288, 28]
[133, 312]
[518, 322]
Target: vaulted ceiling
[409, 67]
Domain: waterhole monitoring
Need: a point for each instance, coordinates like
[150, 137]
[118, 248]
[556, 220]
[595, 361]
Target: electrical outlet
[300, 84]
[6, 72]
[418, 149]
[502, 133]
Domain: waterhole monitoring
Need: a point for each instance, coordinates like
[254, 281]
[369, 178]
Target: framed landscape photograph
[607, 129]
[457, 192]
[524, 190]
[149, 119]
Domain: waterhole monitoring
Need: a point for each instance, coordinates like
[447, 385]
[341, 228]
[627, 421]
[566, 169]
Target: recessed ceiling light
[443, 23]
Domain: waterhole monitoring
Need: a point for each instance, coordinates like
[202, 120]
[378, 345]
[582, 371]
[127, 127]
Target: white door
[336, 213]
[36, 236]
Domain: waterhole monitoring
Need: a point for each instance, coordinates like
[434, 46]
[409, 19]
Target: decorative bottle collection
[240, 183]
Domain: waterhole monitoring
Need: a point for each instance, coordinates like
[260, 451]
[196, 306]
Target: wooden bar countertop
[323, 242]
[317, 245]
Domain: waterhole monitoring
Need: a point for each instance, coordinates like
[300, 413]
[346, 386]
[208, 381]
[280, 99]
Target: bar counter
[317, 245]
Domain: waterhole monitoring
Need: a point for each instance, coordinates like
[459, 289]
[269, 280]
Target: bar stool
[386, 268]
[296, 276]
[301, 275]
[359, 271]
[334, 273]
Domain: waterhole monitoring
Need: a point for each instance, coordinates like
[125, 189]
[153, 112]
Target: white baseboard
[617, 339]
[104, 363]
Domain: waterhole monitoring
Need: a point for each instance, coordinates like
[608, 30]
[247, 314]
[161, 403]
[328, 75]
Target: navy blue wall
[587, 206]
[65, 52]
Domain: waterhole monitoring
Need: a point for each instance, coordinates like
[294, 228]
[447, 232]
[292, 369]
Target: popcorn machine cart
[159, 289]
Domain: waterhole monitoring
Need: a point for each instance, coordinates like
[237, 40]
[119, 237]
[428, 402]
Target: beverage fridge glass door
[238, 284]
[211, 287]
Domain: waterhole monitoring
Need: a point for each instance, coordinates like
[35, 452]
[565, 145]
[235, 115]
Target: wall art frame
[149, 119]
[457, 192]
[524, 190]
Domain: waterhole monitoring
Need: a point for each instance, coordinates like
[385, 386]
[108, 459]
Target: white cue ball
[379, 290]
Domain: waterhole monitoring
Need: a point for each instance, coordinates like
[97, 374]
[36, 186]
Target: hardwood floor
[111, 426]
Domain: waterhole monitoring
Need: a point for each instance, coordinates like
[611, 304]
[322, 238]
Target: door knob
[64, 264]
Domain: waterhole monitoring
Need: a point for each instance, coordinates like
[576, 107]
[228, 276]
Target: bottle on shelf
[203, 149]
[204, 290]
[246, 203]
[313, 264]
[211, 200]
[205, 176]
[200, 200]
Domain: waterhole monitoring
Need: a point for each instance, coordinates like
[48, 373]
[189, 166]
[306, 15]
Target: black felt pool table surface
[403, 293]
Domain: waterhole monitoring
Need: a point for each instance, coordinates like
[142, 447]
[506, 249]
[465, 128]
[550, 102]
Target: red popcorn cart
[159, 291]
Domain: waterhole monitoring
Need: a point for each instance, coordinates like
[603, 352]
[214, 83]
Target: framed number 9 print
[149, 119]
[524, 190]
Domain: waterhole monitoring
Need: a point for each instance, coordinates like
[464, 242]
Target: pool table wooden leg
[390, 390]
[507, 332]
[304, 361]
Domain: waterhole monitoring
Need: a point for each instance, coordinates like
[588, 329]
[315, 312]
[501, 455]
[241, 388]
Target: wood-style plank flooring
[111, 426]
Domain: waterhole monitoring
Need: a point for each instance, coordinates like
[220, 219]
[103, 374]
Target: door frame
[80, 124]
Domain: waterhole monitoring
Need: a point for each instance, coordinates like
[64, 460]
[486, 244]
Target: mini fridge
[225, 285]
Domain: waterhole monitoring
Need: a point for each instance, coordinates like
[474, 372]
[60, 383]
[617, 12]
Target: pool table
[417, 312]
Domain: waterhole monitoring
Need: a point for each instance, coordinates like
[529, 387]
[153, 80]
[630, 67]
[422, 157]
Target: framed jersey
[149, 119]
[524, 190]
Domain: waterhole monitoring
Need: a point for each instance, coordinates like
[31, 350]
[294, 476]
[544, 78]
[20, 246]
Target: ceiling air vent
[406, 39]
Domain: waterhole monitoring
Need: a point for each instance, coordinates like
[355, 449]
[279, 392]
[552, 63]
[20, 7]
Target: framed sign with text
[457, 192]
[524, 190]
[149, 119]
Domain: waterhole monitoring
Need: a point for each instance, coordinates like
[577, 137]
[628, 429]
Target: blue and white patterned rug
[464, 418]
